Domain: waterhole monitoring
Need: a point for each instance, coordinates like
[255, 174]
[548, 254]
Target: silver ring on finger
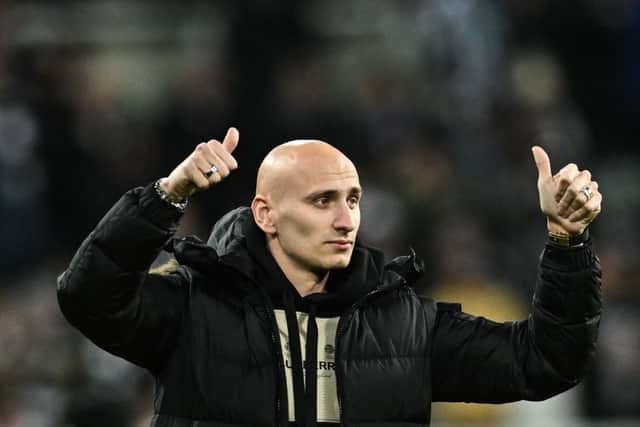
[211, 171]
[587, 192]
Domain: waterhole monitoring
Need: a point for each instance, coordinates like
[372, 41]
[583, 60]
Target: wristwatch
[567, 240]
[179, 204]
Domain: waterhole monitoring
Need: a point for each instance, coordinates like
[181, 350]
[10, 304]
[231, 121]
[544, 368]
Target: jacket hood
[229, 232]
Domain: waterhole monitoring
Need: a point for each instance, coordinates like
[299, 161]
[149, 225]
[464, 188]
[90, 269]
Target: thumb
[542, 162]
[230, 141]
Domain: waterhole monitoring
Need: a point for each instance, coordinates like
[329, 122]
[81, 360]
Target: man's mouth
[341, 243]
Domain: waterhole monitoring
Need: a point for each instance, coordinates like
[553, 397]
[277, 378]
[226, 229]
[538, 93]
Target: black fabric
[208, 334]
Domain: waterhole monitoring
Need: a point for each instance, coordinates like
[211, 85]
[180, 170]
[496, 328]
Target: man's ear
[262, 214]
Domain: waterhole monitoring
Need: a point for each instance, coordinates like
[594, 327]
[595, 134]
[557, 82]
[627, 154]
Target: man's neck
[305, 281]
[307, 287]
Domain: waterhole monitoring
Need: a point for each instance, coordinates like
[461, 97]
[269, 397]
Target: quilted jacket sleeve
[477, 360]
[107, 292]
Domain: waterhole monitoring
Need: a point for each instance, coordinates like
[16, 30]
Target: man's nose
[344, 219]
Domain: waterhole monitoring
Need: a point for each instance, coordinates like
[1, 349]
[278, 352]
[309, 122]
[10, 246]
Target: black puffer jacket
[207, 331]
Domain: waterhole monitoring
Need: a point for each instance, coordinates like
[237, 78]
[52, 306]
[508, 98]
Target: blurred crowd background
[437, 102]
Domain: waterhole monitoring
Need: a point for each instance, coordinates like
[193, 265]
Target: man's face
[317, 215]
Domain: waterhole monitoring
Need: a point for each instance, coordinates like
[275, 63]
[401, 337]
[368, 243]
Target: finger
[581, 196]
[205, 155]
[223, 154]
[573, 198]
[589, 210]
[203, 165]
[542, 162]
[207, 152]
[231, 139]
[564, 178]
[223, 169]
[196, 176]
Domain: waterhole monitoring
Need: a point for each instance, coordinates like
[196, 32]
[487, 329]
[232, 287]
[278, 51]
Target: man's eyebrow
[333, 193]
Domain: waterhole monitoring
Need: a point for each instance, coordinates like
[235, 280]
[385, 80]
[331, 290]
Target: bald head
[307, 203]
[296, 160]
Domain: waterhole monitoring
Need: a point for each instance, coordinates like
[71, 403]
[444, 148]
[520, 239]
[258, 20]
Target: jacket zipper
[275, 338]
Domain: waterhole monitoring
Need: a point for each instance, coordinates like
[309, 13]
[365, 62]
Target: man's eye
[322, 201]
[353, 201]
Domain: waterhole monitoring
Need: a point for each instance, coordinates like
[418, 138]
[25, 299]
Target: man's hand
[191, 175]
[569, 199]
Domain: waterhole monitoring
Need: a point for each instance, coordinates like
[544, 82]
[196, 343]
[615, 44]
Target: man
[284, 318]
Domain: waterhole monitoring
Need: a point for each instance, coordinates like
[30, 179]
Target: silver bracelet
[178, 204]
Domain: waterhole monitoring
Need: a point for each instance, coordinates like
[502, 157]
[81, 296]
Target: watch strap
[567, 240]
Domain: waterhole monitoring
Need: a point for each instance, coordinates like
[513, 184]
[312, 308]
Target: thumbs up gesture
[569, 199]
[207, 165]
